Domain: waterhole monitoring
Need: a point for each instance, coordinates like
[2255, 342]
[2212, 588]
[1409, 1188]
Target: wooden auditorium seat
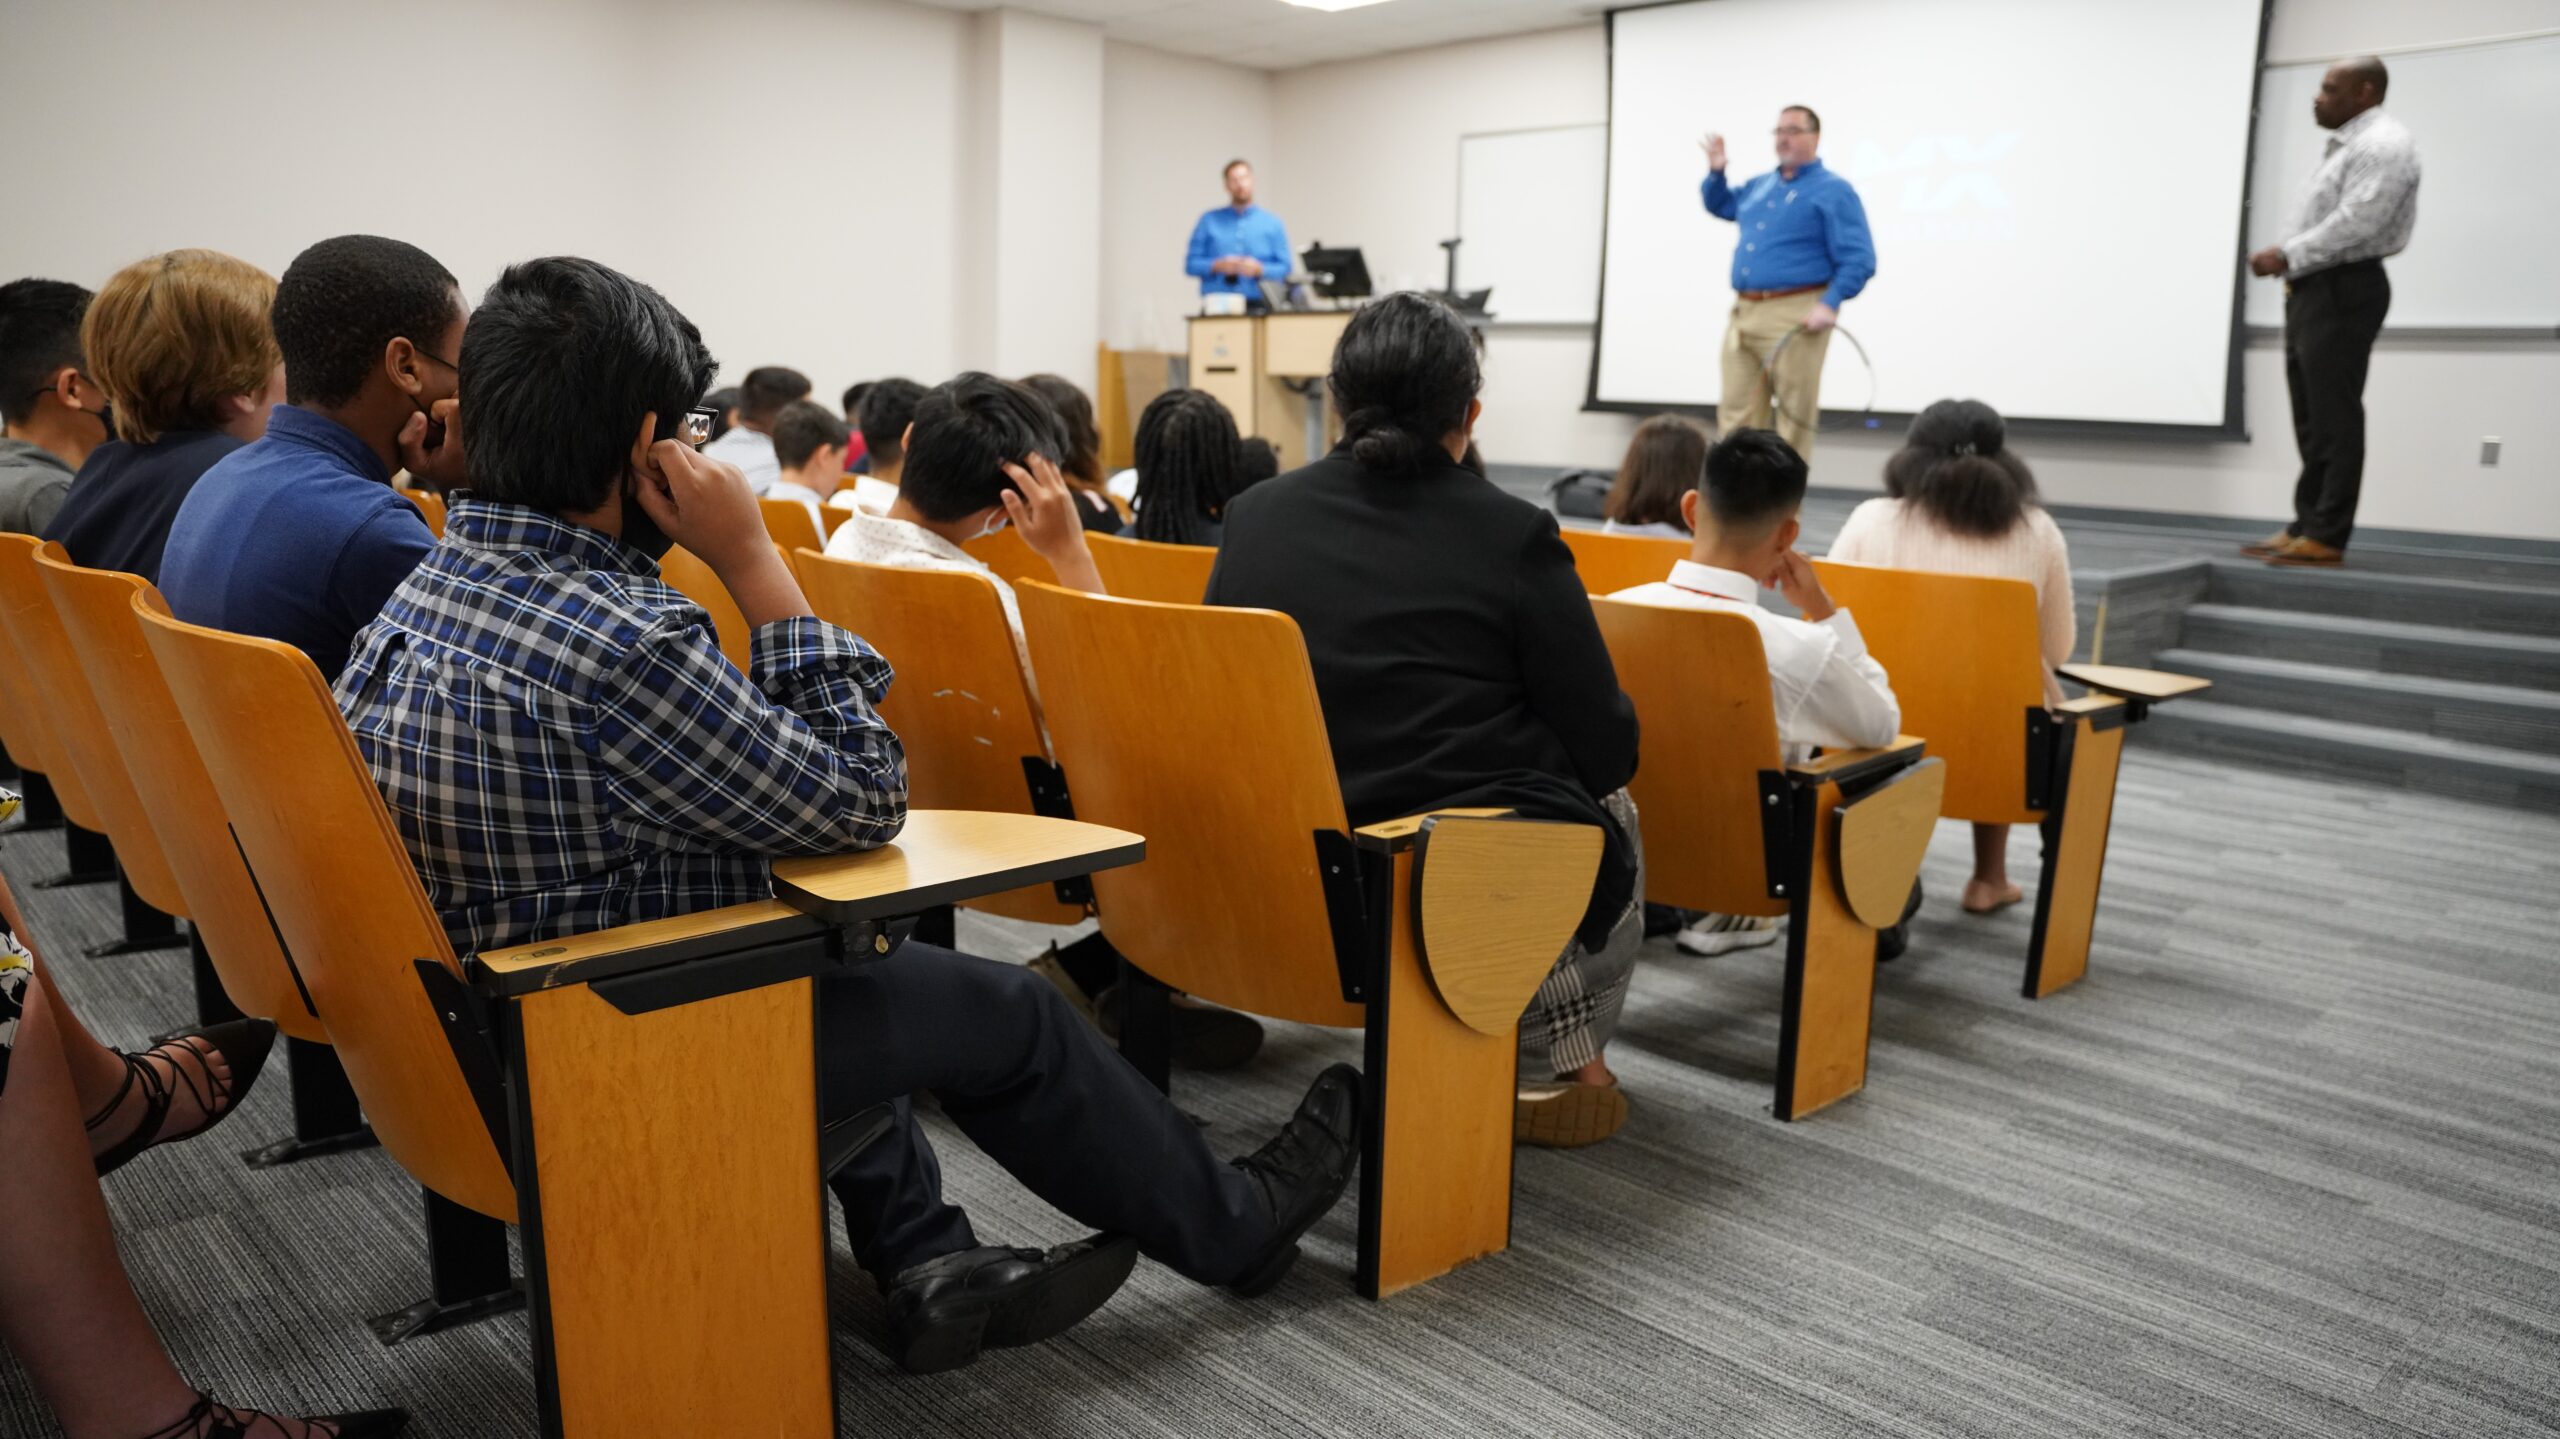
[1010, 557]
[686, 572]
[1834, 844]
[791, 525]
[1610, 563]
[1967, 665]
[151, 901]
[430, 506]
[26, 727]
[670, 1205]
[960, 703]
[1148, 570]
[1200, 728]
[229, 927]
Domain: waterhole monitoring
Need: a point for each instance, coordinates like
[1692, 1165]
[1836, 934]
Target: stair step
[2410, 599]
[2390, 646]
[2506, 716]
[2292, 742]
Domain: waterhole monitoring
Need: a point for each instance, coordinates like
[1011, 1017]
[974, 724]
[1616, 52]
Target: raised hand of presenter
[1713, 144]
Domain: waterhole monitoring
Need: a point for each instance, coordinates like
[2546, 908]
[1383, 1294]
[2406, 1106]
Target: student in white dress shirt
[749, 446]
[1662, 464]
[809, 442]
[1828, 690]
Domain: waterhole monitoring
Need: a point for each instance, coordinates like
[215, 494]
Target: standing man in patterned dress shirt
[2360, 207]
[1804, 252]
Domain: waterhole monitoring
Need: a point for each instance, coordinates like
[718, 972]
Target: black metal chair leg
[326, 1117]
[88, 857]
[145, 929]
[468, 1272]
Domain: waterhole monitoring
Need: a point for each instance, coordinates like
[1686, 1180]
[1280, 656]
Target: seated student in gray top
[1828, 690]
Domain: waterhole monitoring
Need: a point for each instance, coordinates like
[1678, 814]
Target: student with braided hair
[1187, 468]
[1457, 660]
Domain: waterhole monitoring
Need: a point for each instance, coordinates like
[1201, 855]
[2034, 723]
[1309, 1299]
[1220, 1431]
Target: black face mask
[639, 531]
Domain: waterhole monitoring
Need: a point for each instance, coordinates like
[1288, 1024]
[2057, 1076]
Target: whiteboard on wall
[2483, 117]
[1529, 205]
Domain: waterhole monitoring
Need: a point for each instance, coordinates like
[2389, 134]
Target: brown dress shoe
[2268, 546]
[2308, 552]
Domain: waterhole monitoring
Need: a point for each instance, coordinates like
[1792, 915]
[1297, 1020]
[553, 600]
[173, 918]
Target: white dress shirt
[752, 452]
[2362, 202]
[808, 498]
[1658, 529]
[1827, 690]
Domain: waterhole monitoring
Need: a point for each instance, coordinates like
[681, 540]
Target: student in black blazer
[1457, 659]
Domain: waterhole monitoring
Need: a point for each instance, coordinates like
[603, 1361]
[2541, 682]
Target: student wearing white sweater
[1827, 689]
[1957, 501]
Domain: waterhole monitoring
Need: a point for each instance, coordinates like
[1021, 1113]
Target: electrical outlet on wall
[2489, 446]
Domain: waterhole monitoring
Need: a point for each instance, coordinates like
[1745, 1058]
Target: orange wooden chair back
[693, 579]
[1967, 665]
[1010, 556]
[344, 894]
[1610, 563]
[791, 525]
[430, 507]
[1701, 685]
[1199, 728]
[99, 609]
[29, 716]
[82, 728]
[1148, 570]
[959, 702]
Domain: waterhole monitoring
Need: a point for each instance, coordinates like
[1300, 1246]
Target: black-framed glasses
[425, 353]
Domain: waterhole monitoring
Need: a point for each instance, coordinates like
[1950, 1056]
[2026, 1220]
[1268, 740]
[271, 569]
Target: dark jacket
[1454, 649]
[122, 501]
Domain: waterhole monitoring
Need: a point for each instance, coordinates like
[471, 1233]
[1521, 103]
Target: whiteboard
[2488, 204]
[1529, 205]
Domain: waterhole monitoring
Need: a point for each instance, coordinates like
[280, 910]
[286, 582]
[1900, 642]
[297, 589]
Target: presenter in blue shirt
[1239, 244]
[1803, 252]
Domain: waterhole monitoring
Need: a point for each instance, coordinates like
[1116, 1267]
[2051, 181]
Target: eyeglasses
[427, 354]
[1793, 130]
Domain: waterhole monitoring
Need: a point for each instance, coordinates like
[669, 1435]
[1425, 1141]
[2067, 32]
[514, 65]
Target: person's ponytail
[1403, 376]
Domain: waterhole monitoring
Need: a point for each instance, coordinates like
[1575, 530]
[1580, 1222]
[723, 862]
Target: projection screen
[2055, 187]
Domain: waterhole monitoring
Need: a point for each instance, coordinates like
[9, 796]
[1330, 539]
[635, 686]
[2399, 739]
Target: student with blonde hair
[181, 346]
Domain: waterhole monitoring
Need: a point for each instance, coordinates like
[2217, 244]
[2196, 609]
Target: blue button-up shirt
[1252, 231]
[564, 749]
[1810, 230]
[299, 537]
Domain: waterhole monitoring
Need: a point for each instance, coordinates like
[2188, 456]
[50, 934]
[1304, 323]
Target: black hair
[724, 400]
[1753, 480]
[559, 363]
[804, 428]
[966, 431]
[1403, 374]
[342, 300]
[1187, 470]
[1955, 467]
[1081, 457]
[1664, 461]
[888, 407]
[1812, 121]
[766, 389]
[39, 338]
[1256, 461]
[852, 405]
[2369, 70]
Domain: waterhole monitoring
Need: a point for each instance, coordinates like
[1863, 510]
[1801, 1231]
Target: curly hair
[1187, 467]
[341, 301]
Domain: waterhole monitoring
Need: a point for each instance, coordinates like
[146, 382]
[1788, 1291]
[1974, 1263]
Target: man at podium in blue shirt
[1803, 252]
[1239, 244]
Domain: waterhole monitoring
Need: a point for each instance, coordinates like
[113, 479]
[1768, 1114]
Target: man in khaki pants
[1803, 251]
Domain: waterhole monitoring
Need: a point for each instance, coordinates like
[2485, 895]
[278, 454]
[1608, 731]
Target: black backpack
[1579, 494]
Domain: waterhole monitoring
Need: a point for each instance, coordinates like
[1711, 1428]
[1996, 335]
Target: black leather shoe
[1303, 1170]
[942, 1312]
[1205, 1037]
[1893, 939]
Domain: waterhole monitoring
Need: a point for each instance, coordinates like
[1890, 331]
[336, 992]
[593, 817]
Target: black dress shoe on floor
[1303, 1170]
[942, 1312]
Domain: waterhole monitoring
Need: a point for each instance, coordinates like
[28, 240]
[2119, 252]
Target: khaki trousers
[1750, 337]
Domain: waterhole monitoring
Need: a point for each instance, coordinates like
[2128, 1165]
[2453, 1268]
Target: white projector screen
[2055, 188]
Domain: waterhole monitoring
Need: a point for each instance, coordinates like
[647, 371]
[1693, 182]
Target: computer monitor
[1337, 273]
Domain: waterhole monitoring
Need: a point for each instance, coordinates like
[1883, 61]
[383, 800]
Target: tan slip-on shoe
[2304, 552]
[1567, 1115]
[2272, 544]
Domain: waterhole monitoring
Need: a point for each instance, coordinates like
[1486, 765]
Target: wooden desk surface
[2131, 683]
[945, 855]
[1847, 765]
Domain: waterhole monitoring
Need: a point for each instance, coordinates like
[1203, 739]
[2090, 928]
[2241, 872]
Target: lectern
[1268, 370]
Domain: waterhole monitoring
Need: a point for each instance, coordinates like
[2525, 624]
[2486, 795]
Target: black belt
[2349, 267]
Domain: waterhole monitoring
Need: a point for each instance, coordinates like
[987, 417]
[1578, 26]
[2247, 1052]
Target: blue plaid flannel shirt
[564, 749]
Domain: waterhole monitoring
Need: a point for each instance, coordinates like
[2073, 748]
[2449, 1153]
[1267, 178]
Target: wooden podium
[1268, 370]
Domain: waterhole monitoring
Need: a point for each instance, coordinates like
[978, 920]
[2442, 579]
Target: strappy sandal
[242, 1045]
[208, 1420]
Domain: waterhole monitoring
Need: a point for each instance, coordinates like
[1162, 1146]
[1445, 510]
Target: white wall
[1035, 219]
[1170, 124]
[2428, 404]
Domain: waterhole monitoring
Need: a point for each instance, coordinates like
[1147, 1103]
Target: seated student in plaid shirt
[564, 749]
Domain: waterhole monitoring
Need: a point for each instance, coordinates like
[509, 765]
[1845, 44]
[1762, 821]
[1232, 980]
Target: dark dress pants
[1032, 1084]
[2330, 319]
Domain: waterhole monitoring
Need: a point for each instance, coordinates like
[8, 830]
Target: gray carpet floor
[2287, 1163]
